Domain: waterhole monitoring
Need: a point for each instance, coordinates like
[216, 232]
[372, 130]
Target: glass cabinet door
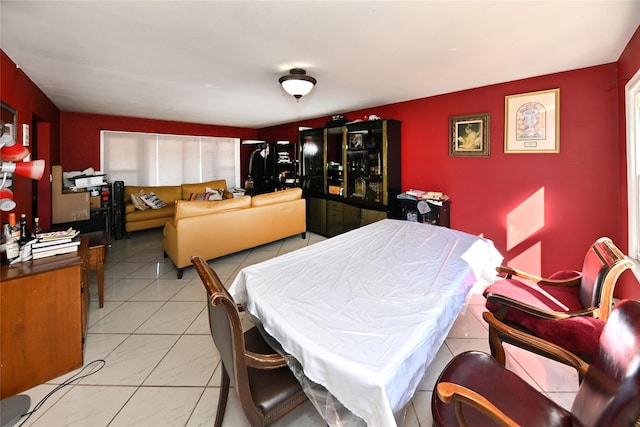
[286, 160]
[365, 157]
[335, 158]
[312, 160]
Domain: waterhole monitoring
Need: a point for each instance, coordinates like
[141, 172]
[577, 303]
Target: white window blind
[160, 159]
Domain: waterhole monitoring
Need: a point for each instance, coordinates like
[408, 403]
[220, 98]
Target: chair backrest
[226, 327]
[610, 392]
[602, 266]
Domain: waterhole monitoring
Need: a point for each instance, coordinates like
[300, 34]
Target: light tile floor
[162, 368]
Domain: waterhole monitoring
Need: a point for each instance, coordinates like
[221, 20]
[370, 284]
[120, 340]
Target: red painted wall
[33, 106]
[581, 184]
[80, 134]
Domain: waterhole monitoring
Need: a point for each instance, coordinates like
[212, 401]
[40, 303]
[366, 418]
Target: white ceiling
[218, 62]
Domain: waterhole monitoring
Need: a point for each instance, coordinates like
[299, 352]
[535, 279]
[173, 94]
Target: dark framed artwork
[7, 124]
[469, 135]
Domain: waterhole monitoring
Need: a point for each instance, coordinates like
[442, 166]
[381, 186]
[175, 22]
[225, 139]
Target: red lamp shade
[6, 200]
[33, 169]
[13, 153]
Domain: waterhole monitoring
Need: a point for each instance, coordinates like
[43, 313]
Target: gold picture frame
[532, 122]
[8, 123]
[469, 135]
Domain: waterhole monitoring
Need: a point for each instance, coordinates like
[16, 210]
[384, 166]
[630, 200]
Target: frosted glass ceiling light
[297, 83]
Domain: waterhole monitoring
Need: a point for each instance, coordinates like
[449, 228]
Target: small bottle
[36, 227]
[15, 227]
[12, 247]
[25, 235]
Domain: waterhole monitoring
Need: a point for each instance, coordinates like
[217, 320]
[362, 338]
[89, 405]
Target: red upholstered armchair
[474, 389]
[569, 308]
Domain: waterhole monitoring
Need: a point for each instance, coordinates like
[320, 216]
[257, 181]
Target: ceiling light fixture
[297, 83]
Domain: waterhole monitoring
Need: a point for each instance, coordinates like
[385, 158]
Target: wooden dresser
[43, 313]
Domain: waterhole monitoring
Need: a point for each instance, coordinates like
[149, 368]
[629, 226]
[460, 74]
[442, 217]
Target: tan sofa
[215, 229]
[135, 220]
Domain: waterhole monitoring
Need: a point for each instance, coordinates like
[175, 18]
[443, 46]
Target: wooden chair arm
[509, 272]
[540, 312]
[560, 353]
[457, 394]
[264, 361]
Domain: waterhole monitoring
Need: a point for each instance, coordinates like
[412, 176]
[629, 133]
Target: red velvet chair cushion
[565, 275]
[554, 298]
[578, 334]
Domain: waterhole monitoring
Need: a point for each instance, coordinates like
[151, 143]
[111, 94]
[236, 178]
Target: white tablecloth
[365, 312]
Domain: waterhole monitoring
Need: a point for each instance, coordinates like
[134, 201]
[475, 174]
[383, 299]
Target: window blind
[160, 159]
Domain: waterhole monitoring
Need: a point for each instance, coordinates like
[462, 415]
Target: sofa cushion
[153, 201]
[201, 187]
[137, 201]
[210, 194]
[149, 214]
[168, 193]
[276, 197]
[185, 208]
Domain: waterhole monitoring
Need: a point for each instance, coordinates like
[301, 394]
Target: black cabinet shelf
[438, 212]
[357, 165]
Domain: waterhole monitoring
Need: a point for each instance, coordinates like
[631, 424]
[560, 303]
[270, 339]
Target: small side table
[98, 241]
[438, 211]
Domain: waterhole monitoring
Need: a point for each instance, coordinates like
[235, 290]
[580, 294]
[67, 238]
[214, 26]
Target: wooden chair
[569, 308]
[266, 387]
[474, 389]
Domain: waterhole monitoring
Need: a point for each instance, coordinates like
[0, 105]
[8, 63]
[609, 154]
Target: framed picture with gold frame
[469, 135]
[7, 123]
[532, 122]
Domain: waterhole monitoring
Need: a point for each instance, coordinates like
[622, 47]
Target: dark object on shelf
[118, 209]
[436, 212]
[99, 220]
[337, 120]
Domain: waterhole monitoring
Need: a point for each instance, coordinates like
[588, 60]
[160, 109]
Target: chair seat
[483, 374]
[273, 390]
[578, 334]
[553, 298]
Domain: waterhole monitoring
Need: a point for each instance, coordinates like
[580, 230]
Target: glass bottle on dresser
[12, 248]
[25, 235]
[36, 227]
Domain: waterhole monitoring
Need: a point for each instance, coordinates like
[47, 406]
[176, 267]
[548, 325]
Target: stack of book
[431, 196]
[55, 243]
